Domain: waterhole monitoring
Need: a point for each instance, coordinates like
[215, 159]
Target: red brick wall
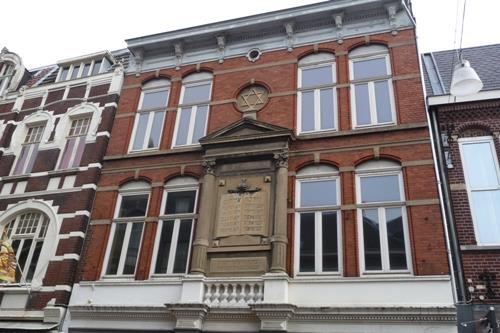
[278, 71]
[466, 120]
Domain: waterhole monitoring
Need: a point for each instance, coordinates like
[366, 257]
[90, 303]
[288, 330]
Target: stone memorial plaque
[240, 265]
[243, 212]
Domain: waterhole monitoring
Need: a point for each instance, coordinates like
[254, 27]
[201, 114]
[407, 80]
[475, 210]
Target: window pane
[396, 238]
[371, 241]
[383, 101]
[181, 254]
[74, 74]
[97, 67]
[116, 248]
[183, 128]
[180, 202]
[307, 113]
[64, 74]
[152, 100]
[318, 193]
[32, 158]
[133, 248]
[369, 68]
[306, 263]
[68, 150]
[156, 127]
[380, 188]
[480, 165]
[164, 247]
[317, 76]
[326, 108]
[23, 255]
[140, 131]
[195, 94]
[200, 122]
[22, 160]
[330, 246]
[362, 104]
[34, 261]
[86, 69]
[486, 211]
[79, 151]
[133, 205]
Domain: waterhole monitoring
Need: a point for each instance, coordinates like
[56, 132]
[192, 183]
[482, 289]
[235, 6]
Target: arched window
[317, 221]
[26, 233]
[382, 223]
[482, 177]
[372, 98]
[317, 96]
[126, 229]
[192, 115]
[175, 229]
[150, 115]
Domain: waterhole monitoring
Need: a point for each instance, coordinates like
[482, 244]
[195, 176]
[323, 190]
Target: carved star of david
[252, 98]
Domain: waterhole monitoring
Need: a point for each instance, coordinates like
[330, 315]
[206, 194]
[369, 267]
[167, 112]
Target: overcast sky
[43, 32]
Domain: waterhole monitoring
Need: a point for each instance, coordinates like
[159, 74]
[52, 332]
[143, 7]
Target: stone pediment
[247, 129]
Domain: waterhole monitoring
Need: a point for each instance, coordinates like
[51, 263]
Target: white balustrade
[227, 293]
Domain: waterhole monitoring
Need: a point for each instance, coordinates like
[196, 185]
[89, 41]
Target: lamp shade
[465, 80]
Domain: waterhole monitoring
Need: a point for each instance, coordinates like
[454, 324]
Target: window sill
[480, 247]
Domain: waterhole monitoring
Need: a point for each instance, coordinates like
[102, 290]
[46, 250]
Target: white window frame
[81, 65]
[317, 96]
[381, 207]
[151, 113]
[68, 137]
[5, 78]
[35, 238]
[126, 238]
[491, 142]
[31, 147]
[371, 90]
[175, 232]
[194, 111]
[317, 210]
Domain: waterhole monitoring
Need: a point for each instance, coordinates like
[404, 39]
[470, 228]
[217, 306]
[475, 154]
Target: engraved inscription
[242, 214]
[221, 265]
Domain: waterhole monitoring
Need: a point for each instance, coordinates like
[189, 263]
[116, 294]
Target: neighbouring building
[270, 173]
[55, 124]
[467, 133]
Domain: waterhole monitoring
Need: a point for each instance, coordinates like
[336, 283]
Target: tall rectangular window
[192, 115]
[317, 97]
[318, 224]
[29, 150]
[382, 223]
[75, 143]
[126, 233]
[372, 100]
[482, 177]
[173, 239]
[150, 115]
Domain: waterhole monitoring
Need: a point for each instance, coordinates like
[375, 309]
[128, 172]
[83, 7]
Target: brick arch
[194, 70]
[178, 174]
[309, 52]
[152, 77]
[311, 162]
[133, 179]
[370, 157]
[472, 129]
[371, 42]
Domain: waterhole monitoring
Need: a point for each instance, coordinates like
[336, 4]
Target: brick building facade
[469, 149]
[55, 123]
[270, 173]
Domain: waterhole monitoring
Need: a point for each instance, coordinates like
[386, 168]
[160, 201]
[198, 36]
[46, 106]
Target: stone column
[279, 239]
[207, 207]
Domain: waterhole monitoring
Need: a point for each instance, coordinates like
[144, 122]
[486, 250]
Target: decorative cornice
[119, 312]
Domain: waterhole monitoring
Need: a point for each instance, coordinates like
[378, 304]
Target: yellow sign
[7, 261]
